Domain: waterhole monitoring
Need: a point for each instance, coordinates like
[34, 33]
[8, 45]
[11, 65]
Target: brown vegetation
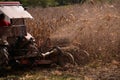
[94, 28]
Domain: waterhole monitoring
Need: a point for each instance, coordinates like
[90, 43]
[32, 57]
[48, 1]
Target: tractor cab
[15, 14]
[16, 34]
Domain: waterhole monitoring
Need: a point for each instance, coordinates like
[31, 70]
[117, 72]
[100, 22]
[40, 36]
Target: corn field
[91, 27]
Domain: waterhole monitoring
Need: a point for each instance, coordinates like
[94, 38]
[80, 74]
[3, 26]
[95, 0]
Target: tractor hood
[13, 10]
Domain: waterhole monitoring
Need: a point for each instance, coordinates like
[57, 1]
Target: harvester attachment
[59, 57]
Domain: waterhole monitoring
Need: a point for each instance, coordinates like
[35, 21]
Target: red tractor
[19, 47]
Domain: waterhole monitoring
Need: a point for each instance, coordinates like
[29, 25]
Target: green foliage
[47, 3]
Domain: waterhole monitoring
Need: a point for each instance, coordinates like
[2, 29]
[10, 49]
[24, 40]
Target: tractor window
[18, 27]
[17, 21]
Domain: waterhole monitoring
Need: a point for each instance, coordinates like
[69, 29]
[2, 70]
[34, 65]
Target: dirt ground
[94, 71]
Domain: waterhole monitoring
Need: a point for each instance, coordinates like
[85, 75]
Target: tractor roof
[14, 10]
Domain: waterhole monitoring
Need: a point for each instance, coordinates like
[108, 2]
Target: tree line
[47, 3]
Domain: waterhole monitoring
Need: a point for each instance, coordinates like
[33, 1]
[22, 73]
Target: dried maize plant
[45, 23]
[94, 28]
